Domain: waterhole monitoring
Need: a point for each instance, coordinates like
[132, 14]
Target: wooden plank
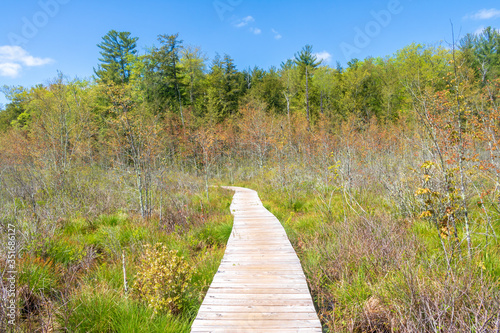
[257, 316]
[246, 284]
[255, 328]
[256, 265]
[260, 285]
[261, 249]
[259, 308]
[260, 273]
[239, 290]
[242, 261]
[262, 324]
[253, 302]
[259, 257]
[253, 277]
[210, 329]
[254, 296]
[265, 250]
[238, 276]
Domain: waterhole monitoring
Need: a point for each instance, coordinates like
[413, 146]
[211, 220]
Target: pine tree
[225, 87]
[307, 62]
[163, 76]
[117, 50]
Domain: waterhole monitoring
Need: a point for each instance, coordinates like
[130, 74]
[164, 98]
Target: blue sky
[40, 37]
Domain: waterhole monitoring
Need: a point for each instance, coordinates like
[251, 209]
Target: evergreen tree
[487, 53]
[307, 62]
[225, 87]
[14, 111]
[163, 75]
[117, 50]
[234, 85]
[268, 87]
[215, 90]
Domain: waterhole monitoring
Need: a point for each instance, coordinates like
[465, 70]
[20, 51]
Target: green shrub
[162, 278]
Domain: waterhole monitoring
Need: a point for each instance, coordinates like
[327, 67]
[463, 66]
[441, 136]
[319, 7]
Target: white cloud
[323, 56]
[243, 22]
[484, 14]
[277, 35]
[10, 69]
[13, 58]
[256, 31]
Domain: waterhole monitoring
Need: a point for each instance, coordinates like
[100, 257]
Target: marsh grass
[371, 270]
[74, 280]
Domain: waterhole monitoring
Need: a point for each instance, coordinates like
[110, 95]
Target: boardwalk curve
[260, 285]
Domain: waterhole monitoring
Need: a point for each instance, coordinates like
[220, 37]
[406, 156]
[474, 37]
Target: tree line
[172, 78]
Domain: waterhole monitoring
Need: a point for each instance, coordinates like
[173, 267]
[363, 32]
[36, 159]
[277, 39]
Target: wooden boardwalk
[260, 285]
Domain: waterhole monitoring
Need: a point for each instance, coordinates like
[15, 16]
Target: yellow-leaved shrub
[162, 277]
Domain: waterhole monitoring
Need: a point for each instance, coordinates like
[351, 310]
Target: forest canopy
[173, 78]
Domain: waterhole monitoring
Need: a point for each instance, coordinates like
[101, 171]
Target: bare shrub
[435, 302]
